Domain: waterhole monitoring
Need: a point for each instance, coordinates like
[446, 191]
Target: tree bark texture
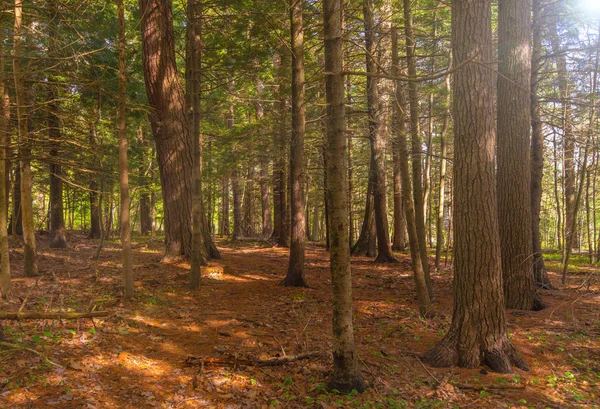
[346, 375]
[295, 273]
[174, 144]
[478, 332]
[513, 162]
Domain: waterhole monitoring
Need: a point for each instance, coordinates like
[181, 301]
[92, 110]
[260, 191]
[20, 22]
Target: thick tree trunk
[537, 151]
[416, 142]
[295, 273]
[29, 263]
[478, 332]
[513, 163]
[399, 130]
[377, 140]
[265, 195]
[127, 256]
[346, 375]
[366, 244]
[174, 141]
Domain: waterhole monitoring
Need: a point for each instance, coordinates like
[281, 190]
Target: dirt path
[136, 357]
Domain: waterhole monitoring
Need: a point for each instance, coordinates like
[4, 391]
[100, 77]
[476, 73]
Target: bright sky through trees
[590, 6]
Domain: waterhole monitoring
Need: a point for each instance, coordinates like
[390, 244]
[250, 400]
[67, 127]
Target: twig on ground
[15, 346]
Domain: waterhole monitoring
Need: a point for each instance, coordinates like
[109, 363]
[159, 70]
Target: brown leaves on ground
[136, 358]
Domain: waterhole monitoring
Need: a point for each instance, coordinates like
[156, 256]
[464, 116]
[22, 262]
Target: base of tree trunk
[385, 258]
[398, 248]
[294, 280]
[500, 358]
[345, 388]
[58, 241]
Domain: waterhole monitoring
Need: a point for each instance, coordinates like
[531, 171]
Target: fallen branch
[279, 360]
[498, 386]
[15, 346]
[4, 315]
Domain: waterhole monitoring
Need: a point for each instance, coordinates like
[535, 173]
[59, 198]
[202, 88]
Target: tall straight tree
[174, 144]
[5, 283]
[399, 131]
[173, 141]
[417, 166]
[346, 375]
[57, 221]
[29, 263]
[537, 150]
[377, 130]
[193, 48]
[123, 166]
[478, 332]
[295, 273]
[514, 172]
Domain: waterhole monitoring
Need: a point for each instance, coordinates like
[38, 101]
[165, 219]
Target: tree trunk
[537, 151]
[237, 204]
[513, 162]
[123, 166]
[377, 140]
[192, 71]
[366, 243]
[57, 221]
[248, 204]
[568, 141]
[416, 143]
[439, 242]
[295, 273]
[399, 130]
[346, 375]
[174, 141]
[95, 198]
[478, 332]
[280, 232]
[29, 263]
[225, 227]
[5, 282]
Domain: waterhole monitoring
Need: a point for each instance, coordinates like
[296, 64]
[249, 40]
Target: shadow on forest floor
[136, 358]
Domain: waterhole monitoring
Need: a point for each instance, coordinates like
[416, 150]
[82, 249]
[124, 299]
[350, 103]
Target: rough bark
[295, 273]
[377, 141]
[399, 130]
[346, 375]
[537, 151]
[417, 153]
[127, 255]
[513, 161]
[174, 141]
[29, 263]
[478, 332]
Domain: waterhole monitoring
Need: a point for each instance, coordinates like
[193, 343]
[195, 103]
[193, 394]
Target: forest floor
[139, 355]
